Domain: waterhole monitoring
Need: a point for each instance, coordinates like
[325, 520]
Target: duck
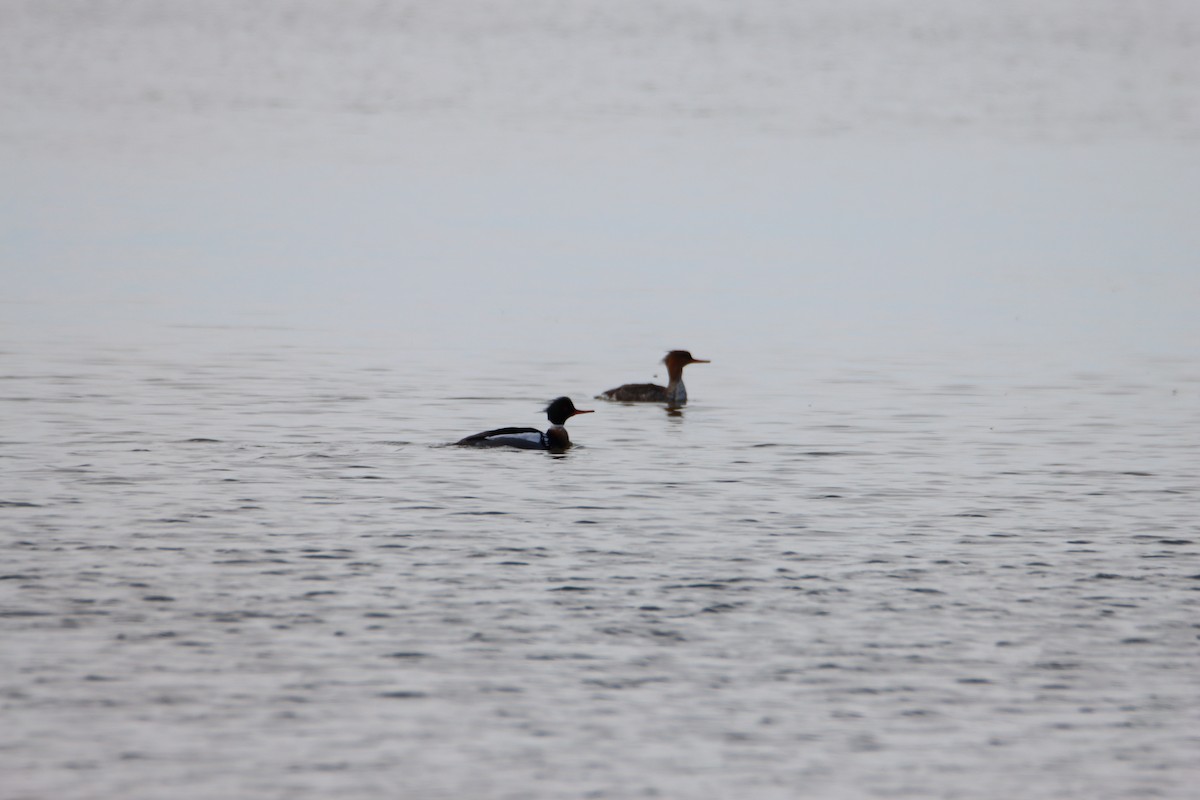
[673, 394]
[554, 438]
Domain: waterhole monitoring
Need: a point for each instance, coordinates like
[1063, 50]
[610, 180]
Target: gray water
[257, 571]
[928, 527]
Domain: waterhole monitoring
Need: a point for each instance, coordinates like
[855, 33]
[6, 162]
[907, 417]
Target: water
[926, 529]
[260, 573]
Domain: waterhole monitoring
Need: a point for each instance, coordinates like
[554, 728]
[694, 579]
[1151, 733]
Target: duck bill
[584, 411]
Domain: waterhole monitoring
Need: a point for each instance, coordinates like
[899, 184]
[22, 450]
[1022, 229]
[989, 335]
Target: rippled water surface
[929, 528]
[259, 572]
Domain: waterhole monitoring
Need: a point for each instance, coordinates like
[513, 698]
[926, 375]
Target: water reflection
[928, 528]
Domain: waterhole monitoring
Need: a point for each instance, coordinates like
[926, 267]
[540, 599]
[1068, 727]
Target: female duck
[555, 437]
[673, 393]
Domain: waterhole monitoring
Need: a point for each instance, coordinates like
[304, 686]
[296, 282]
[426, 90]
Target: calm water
[928, 527]
[256, 571]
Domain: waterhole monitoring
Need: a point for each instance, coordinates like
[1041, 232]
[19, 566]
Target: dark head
[676, 360]
[561, 410]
